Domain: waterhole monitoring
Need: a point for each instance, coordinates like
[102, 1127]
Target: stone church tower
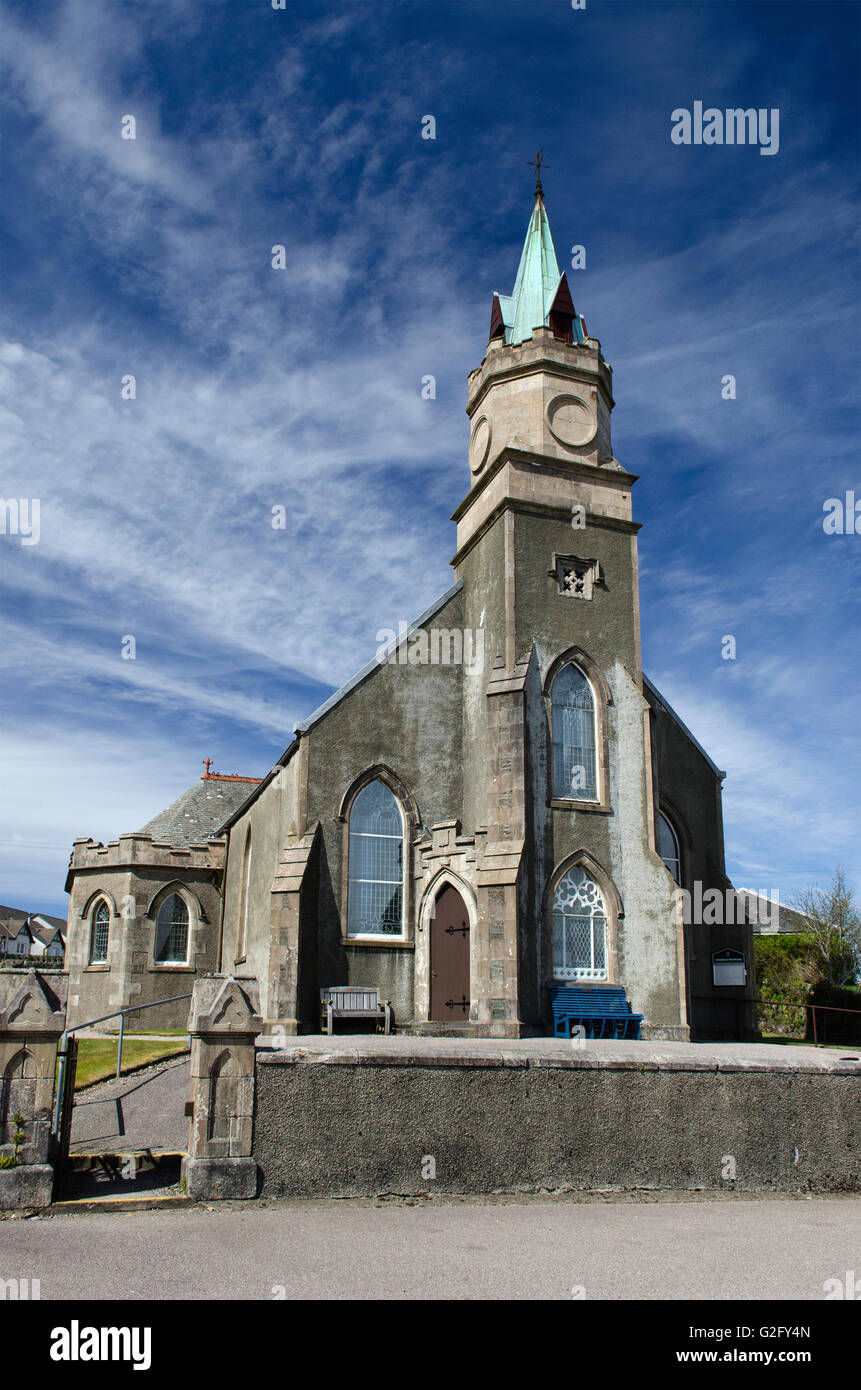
[500, 802]
[547, 549]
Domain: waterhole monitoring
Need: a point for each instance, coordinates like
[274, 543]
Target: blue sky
[256, 388]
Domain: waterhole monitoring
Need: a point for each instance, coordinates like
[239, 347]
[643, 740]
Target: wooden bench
[353, 1001]
[602, 1011]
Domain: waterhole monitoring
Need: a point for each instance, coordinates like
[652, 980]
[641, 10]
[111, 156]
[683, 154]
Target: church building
[499, 802]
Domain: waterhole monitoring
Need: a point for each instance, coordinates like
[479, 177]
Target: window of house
[375, 899]
[101, 932]
[575, 769]
[579, 929]
[668, 847]
[171, 936]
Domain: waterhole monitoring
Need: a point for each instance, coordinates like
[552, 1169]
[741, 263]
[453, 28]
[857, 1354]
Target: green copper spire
[537, 278]
[541, 298]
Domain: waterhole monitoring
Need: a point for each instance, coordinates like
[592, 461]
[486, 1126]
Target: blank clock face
[479, 444]
[571, 420]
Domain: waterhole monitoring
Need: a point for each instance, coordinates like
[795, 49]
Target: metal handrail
[788, 1004]
[117, 1013]
[827, 1008]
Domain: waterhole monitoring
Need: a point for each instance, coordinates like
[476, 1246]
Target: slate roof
[199, 813]
[46, 928]
[38, 924]
[12, 916]
[10, 927]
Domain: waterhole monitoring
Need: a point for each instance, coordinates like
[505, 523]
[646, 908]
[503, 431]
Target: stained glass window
[574, 763]
[171, 937]
[579, 929]
[668, 847]
[101, 931]
[375, 902]
[243, 902]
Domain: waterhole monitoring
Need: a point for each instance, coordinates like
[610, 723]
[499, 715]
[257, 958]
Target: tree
[834, 923]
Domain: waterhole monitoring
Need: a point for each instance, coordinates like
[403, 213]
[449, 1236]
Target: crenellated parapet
[132, 851]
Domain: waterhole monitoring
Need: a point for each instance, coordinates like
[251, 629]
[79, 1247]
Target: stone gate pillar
[32, 1018]
[223, 1023]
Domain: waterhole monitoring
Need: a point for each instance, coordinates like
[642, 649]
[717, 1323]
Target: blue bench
[602, 1012]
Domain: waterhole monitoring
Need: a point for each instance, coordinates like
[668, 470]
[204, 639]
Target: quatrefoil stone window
[574, 576]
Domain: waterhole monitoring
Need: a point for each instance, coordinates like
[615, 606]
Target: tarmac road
[513, 1248]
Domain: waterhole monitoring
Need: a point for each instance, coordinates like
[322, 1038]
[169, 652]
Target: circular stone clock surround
[479, 444]
[571, 420]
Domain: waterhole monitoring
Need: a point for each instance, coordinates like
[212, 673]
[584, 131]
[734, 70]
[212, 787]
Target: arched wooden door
[449, 958]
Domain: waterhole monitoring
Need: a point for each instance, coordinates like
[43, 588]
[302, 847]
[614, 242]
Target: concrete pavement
[538, 1248]
[145, 1110]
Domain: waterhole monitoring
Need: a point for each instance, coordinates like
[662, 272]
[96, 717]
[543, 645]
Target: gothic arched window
[579, 928]
[668, 847]
[101, 929]
[243, 900]
[575, 768]
[171, 932]
[375, 896]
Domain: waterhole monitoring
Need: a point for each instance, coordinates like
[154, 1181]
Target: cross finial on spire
[537, 164]
[207, 763]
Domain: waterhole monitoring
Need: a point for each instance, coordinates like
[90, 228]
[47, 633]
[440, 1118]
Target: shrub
[786, 968]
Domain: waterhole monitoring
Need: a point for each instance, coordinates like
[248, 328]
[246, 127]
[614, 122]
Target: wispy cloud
[258, 388]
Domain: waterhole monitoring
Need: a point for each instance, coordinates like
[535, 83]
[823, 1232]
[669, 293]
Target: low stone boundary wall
[362, 1120]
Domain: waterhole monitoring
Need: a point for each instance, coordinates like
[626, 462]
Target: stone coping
[378, 1050]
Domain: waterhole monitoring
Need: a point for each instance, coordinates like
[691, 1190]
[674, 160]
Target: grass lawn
[97, 1057]
[131, 1031]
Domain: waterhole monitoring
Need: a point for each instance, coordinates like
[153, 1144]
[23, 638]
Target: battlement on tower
[131, 851]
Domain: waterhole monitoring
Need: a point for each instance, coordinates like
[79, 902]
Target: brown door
[449, 958]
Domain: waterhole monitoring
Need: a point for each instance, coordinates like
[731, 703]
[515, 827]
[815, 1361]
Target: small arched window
[375, 896]
[101, 930]
[575, 770]
[171, 933]
[243, 901]
[579, 928]
[668, 847]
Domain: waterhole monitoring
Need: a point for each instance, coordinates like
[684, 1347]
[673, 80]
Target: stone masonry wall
[343, 1124]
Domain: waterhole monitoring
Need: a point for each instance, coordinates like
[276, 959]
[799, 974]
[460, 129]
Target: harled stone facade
[545, 578]
[499, 804]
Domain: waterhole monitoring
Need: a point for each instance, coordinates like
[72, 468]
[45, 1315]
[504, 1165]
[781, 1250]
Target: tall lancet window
[101, 931]
[243, 902]
[575, 774]
[579, 929]
[171, 935]
[375, 900]
[668, 847]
